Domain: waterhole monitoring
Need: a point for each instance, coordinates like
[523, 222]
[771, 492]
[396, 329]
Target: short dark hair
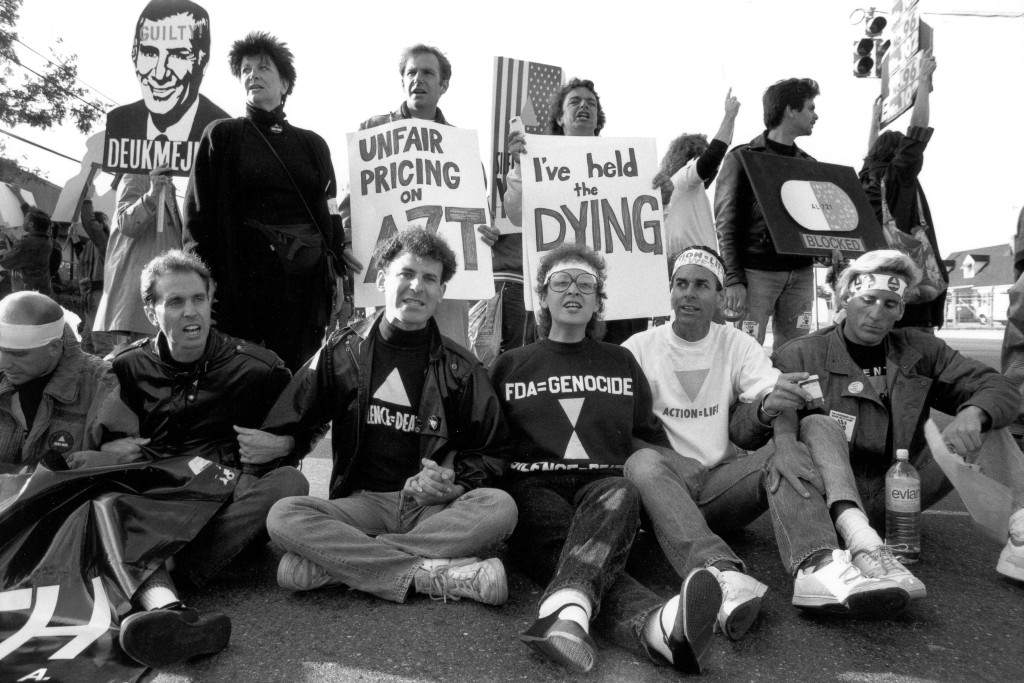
[884, 147]
[558, 106]
[681, 150]
[702, 247]
[172, 261]
[421, 243]
[155, 10]
[421, 49]
[38, 221]
[570, 251]
[261, 43]
[791, 92]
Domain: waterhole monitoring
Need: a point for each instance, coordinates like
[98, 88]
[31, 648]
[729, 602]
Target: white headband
[570, 265]
[699, 257]
[878, 281]
[30, 336]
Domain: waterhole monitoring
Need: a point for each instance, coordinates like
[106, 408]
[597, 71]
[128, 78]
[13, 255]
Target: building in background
[978, 283]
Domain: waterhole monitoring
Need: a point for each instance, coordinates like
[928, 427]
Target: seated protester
[882, 384]
[201, 394]
[577, 409]
[713, 384]
[55, 400]
[418, 436]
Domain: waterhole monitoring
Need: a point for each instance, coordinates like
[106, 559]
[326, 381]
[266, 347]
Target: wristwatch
[760, 408]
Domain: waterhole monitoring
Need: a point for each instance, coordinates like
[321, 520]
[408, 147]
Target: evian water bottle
[903, 509]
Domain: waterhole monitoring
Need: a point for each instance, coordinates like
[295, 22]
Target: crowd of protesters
[561, 447]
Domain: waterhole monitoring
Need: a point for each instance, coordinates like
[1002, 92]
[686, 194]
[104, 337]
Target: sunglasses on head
[560, 281]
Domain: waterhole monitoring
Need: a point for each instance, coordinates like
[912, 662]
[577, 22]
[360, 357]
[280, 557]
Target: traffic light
[868, 51]
[863, 64]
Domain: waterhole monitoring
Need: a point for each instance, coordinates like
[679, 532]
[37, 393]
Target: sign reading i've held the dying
[597, 191]
[414, 172]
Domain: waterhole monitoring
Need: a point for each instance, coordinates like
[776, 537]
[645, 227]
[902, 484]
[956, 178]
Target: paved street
[968, 628]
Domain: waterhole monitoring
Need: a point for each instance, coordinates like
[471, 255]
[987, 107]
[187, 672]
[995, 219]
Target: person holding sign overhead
[575, 111]
[578, 408]
[258, 207]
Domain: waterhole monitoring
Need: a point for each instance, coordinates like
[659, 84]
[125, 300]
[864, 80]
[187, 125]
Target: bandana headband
[866, 282]
[30, 336]
[570, 265]
[699, 257]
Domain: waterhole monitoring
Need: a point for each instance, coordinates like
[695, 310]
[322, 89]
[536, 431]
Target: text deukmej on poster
[598, 191]
[414, 172]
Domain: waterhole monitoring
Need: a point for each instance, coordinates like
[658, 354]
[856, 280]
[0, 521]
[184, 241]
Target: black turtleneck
[389, 450]
[264, 191]
[30, 395]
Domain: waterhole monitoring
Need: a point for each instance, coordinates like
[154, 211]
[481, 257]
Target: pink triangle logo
[692, 381]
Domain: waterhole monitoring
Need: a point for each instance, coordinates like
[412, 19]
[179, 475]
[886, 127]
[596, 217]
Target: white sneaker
[463, 578]
[1011, 561]
[741, 602]
[880, 563]
[841, 587]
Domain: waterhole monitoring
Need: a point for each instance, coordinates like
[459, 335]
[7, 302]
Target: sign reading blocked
[421, 173]
[597, 191]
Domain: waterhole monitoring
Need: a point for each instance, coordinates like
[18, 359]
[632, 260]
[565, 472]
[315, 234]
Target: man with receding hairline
[55, 399]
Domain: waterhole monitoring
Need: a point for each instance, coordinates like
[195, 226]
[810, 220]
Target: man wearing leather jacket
[418, 436]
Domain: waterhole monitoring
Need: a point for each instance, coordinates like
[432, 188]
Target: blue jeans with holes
[575, 530]
[688, 503]
[783, 294]
[375, 541]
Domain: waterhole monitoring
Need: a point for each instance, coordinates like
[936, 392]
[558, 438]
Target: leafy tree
[45, 97]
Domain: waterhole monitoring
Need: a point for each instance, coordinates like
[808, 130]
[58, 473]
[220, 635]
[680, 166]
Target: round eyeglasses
[560, 281]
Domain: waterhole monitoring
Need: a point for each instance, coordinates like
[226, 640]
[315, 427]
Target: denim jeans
[688, 503]
[783, 294]
[518, 327]
[241, 522]
[864, 484]
[375, 541]
[575, 531]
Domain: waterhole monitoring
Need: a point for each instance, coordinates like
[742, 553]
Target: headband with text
[699, 257]
[866, 282]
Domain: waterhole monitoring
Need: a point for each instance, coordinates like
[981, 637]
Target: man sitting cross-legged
[418, 435]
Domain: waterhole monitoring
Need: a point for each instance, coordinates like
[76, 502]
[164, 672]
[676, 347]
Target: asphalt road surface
[969, 628]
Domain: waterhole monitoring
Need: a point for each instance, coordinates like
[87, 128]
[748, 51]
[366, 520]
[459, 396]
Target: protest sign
[170, 50]
[522, 89]
[813, 208]
[911, 38]
[415, 172]
[597, 191]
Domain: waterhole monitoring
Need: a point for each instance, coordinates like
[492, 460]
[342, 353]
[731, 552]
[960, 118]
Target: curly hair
[421, 49]
[261, 43]
[570, 251]
[681, 150]
[421, 243]
[791, 92]
[558, 106]
[172, 261]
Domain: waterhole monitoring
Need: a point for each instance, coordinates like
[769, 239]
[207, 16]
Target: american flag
[521, 89]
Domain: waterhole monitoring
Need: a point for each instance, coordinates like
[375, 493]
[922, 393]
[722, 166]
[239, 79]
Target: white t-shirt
[688, 219]
[695, 383]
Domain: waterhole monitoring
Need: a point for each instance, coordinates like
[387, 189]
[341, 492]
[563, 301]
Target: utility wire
[36, 144]
[50, 61]
[86, 102]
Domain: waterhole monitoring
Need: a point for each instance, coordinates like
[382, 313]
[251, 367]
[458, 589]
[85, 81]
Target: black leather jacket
[743, 237]
[461, 423]
[193, 412]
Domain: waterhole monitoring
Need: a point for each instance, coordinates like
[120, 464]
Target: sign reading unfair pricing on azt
[813, 208]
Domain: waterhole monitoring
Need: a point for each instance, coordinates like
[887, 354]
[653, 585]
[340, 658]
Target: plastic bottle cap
[902, 454]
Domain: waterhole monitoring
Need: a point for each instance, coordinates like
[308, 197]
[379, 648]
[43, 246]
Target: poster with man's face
[170, 52]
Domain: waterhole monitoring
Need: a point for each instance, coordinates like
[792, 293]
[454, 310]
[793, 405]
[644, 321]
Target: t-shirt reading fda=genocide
[574, 406]
[695, 383]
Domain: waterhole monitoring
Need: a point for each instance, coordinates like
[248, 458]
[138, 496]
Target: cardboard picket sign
[522, 89]
[813, 208]
[170, 51]
[414, 172]
[598, 191]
